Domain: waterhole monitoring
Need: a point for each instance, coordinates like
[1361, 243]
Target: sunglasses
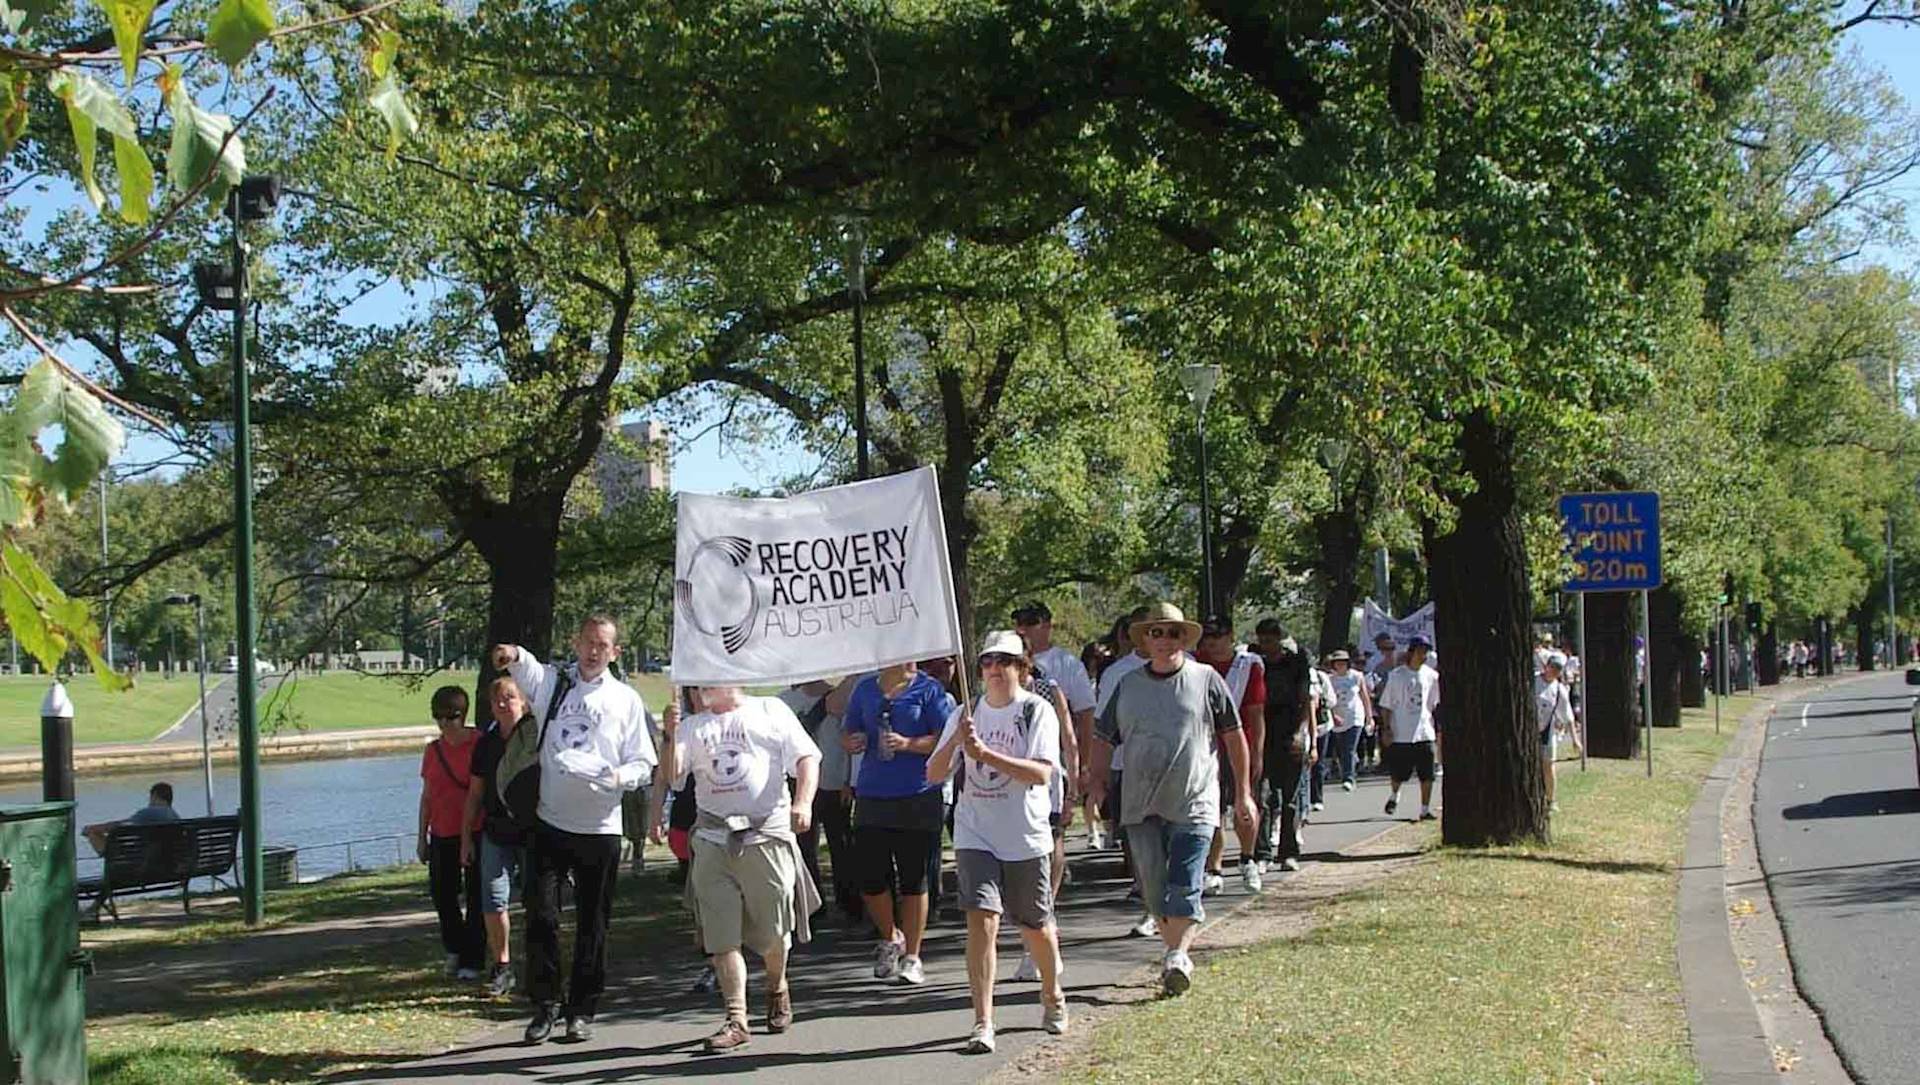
[1165, 632]
[462, 718]
[998, 659]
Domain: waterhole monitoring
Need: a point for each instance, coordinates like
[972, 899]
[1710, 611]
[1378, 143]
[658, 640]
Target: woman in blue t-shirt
[893, 721]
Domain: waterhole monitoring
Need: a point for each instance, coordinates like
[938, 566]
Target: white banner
[1402, 630]
[779, 590]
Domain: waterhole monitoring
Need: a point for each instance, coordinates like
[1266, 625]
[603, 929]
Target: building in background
[639, 461]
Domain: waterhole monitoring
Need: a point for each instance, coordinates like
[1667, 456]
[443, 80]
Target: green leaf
[14, 85]
[45, 621]
[136, 180]
[237, 26]
[200, 143]
[16, 482]
[91, 107]
[129, 19]
[386, 47]
[391, 104]
[91, 436]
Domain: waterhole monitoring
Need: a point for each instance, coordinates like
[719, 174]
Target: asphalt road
[849, 1026]
[223, 708]
[1837, 815]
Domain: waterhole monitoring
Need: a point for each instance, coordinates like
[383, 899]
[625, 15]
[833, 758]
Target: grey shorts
[499, 873]
[1018, 890]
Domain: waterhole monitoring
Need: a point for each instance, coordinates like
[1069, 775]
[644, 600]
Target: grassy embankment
[1525, 964]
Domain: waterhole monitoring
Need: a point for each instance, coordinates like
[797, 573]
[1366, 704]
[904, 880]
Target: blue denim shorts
[499, 870]
[1172, 862]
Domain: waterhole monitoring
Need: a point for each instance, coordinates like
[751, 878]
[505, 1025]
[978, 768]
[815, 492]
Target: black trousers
[1281, 793]
[593, 861]
[833, 820]
[456, 897]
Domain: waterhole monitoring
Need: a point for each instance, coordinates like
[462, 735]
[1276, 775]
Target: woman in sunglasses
[1001, 833]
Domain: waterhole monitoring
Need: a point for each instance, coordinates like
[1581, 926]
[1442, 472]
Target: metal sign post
[1580, 604]
[1614, 540]
[1646, 681]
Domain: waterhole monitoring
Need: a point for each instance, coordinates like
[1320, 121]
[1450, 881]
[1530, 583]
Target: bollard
[56, 744]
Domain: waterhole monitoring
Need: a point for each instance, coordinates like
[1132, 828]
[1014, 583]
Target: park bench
[161, 855]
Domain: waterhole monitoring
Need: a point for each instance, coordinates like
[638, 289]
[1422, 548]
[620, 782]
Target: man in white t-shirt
[1001, 835]
[595, 748]
[746, 860]
[1407, 701]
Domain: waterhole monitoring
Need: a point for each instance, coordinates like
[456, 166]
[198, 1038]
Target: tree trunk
[958, 422]
[1233, 556]
[1338, 569]
[1767, 663]
[1863, 634]
[1494, 793]
[1693, 684]
[1823, 643]
[521, 547]
[1611, 722]
[1665, 657]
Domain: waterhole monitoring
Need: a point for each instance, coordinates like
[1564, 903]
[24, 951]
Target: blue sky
[704, 462]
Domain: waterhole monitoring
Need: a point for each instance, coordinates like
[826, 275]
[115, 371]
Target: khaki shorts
[1018, 890]
[745, 901]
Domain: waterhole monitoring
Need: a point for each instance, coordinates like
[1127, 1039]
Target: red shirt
[446, 770]
[1256, 681]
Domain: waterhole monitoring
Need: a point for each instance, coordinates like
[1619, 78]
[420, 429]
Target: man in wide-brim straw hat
[1165, 718]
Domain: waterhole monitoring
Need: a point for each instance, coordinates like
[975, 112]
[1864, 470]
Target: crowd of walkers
[1162, 737]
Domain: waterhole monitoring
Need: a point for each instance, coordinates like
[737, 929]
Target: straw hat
[1165, 614]
[1339, 656]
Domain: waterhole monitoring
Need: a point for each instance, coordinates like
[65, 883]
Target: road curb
[1730, 1044]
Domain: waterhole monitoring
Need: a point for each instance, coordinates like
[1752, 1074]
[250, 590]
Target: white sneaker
[1289, 863]
[1250, 877]
[981, 1042]
[1263, 865]
[1214, 884]
[453, 964]
[1028, 972]
[1346, 785]
[1176, 973]
[886, 958]
[1096, 840]
[466, 974]
[1053, 1017]
[1318, 806]
[911, 972]
[1146, 928]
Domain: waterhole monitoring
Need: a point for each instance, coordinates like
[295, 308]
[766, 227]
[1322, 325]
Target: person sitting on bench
[159, 808]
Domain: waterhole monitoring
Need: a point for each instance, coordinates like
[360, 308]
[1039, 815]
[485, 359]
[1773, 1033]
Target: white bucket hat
[1003, 642]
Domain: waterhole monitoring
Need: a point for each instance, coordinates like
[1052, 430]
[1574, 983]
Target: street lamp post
[1200, 382]
[252, 200]
[106, 594]
[192, 599]
[857, 293]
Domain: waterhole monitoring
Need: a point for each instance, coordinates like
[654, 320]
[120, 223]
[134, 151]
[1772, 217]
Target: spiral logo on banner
[716, 591]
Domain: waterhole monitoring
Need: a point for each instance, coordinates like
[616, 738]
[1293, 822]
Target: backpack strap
[562, 684]
[440, 751]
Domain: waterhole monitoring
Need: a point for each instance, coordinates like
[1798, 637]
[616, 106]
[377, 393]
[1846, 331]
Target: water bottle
[886, 728]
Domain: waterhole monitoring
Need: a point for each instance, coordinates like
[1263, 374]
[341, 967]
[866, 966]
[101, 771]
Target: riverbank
[20, 765]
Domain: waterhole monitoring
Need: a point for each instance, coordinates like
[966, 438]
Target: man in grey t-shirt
[1165, 719]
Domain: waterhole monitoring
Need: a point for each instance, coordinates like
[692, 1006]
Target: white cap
[1003, 642]
[1555, 659]
[57, 705]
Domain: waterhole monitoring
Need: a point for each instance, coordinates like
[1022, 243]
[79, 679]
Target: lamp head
[217, 285]
[259, 196]
[1199, 382]
[183, 599]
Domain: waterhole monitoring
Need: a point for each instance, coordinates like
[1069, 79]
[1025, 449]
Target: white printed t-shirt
[1411, 696]
[996, 813]
[741, 760]
[601, 725]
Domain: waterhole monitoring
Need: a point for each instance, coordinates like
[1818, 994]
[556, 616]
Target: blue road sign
[1614, 539]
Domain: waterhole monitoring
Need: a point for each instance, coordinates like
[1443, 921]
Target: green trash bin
[43, 1016]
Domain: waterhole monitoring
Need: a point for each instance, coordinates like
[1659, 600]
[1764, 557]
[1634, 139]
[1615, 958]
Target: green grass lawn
[136, 715]
[1525, 964]
[369, 1005]
[337, 701]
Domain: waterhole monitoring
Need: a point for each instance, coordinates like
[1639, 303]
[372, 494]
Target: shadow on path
[1856, 804]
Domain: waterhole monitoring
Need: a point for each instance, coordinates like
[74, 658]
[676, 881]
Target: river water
[315, 806]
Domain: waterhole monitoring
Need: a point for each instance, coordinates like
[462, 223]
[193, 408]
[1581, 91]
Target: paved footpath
[1837, 813]
[845, 1021]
